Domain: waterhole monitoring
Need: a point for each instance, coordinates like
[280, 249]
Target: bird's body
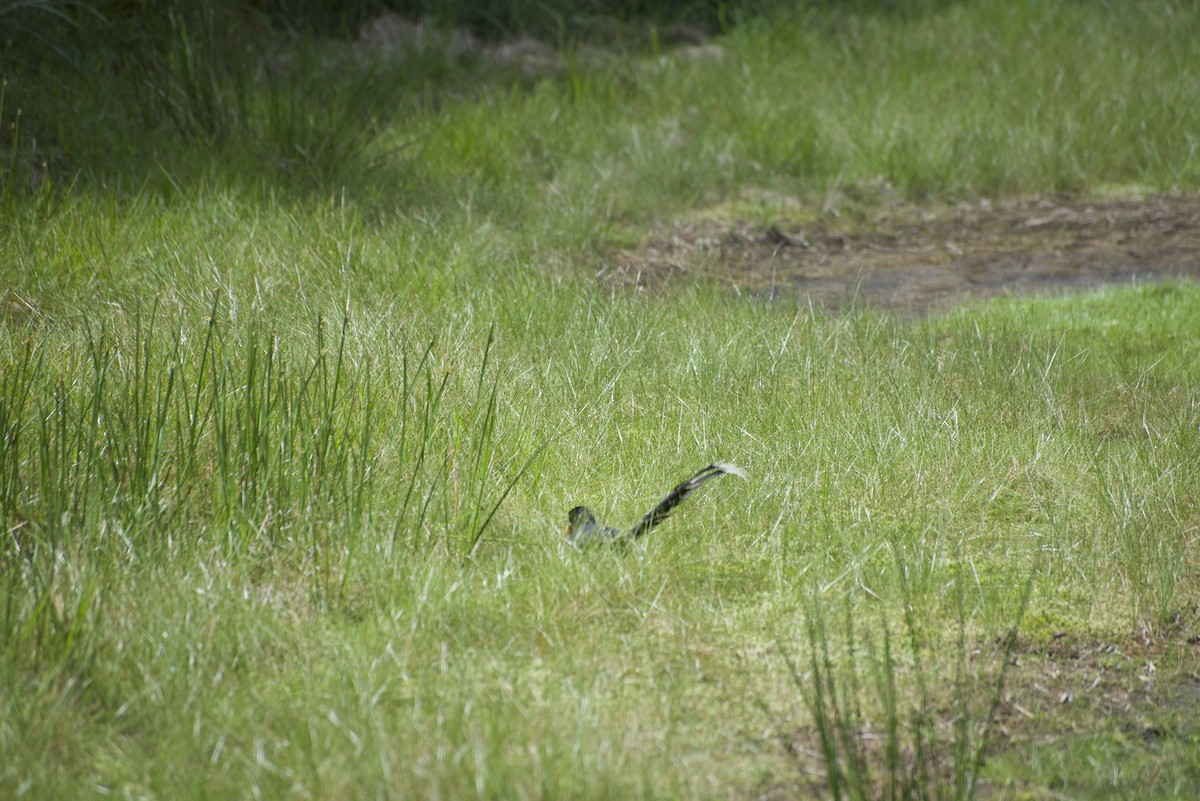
[583, 530]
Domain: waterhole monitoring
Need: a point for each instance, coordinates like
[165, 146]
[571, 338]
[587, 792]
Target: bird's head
[579, 517]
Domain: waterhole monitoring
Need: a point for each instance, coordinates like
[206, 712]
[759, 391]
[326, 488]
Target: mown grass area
[294, 408]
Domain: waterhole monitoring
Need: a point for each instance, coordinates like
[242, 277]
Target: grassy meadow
[304, 358]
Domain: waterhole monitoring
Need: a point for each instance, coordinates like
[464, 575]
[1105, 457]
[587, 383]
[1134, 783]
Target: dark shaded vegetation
[47, 22]
[112, 91]
[67, 28]
[291, 97]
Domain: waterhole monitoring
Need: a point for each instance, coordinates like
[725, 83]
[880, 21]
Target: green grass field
[302, 367]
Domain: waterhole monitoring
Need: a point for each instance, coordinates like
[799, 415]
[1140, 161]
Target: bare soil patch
[915, 259]
[1147, 685]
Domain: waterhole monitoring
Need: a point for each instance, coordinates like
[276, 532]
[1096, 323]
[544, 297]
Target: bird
[583, 530]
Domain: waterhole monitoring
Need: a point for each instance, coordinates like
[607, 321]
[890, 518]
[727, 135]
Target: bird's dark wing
[677, 495]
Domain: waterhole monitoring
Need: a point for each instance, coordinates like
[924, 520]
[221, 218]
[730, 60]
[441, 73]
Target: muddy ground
[917, 259]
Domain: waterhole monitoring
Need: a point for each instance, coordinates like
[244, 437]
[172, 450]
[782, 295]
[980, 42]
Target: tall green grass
[880, 739]
[156, 440]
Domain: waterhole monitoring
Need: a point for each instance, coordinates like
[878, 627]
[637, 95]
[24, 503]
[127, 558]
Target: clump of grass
[200, 82]
[294, 109]
[879, 739]
[155, 440]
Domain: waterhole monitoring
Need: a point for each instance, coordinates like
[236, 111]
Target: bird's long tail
[677, 495]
